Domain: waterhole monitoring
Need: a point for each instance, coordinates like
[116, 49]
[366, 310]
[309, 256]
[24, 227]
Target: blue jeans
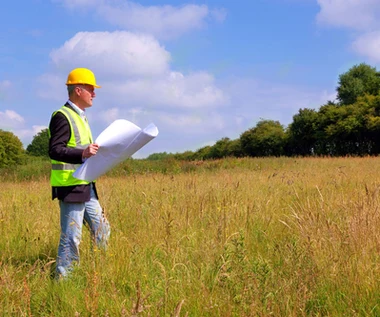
[72, 217]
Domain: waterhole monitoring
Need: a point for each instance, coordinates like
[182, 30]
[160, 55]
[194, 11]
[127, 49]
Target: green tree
[328, 115]
[266, 139]
[358, 130]
[344, 134]
[40, 144]
[359, 80]
[220, 148]
[11, 149]
[159, 156]
[234, 148]
[349, 130]
[185, 156]
[372, 124]
[301, 133]
[203, 153]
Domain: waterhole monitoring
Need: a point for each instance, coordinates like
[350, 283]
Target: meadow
[234, 237]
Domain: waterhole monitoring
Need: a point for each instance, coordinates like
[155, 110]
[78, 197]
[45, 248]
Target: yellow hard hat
[82, 76]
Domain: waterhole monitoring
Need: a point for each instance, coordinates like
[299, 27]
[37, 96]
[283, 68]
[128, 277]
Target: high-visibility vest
[61, 172]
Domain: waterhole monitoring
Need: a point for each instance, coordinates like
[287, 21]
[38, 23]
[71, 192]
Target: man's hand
[90, 151]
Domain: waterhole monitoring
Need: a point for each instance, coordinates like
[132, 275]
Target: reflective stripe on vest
[69, 116]
[64, 167]
[80, 138]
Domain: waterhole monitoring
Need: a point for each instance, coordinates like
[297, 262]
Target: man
[70, 144]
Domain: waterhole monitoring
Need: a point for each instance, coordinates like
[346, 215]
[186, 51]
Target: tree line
[349, 125]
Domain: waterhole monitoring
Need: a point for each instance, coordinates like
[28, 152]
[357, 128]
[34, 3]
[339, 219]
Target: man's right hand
[91, 150]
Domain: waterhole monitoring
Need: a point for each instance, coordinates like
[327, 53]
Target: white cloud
[12, 115]
[116, 54]
[109, 115]
[38, 128]
[355, 14]
[368, 45]
[163, 22]
[26, 135]
[173, 90]
[10, 119]
[361, 16]
[133, 70]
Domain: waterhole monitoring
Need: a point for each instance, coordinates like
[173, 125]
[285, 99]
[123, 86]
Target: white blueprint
[120, 140]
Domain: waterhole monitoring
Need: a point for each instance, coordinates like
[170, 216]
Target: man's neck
[76, 107]
[76, 103]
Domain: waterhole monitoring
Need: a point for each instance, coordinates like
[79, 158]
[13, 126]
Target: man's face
[85, 94]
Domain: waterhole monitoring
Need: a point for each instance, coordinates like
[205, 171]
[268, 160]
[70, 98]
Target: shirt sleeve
[59, 137]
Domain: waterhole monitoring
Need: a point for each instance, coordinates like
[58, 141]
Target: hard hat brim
[95, 86]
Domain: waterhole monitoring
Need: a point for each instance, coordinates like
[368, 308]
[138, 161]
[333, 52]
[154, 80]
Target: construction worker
[70, 144]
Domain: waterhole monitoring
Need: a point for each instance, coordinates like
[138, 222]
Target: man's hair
[70, 89]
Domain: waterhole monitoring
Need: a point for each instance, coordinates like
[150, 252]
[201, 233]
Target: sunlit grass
[248, 237]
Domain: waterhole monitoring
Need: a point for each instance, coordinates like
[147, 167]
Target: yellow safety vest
[61, 172]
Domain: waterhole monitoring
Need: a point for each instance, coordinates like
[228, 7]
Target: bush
[40, 144]
[11, 149]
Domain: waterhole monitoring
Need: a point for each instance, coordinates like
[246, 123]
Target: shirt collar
[76, 108]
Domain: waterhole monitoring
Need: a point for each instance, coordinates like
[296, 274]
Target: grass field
[236, 237]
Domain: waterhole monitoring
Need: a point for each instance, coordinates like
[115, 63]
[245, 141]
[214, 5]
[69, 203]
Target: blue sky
[199, 70]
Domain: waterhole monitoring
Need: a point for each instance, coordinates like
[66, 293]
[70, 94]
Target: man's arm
[59, 137]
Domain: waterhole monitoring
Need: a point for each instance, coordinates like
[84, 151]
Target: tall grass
[248, 237]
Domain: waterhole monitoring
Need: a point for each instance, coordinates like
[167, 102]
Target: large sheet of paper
[117, 142]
